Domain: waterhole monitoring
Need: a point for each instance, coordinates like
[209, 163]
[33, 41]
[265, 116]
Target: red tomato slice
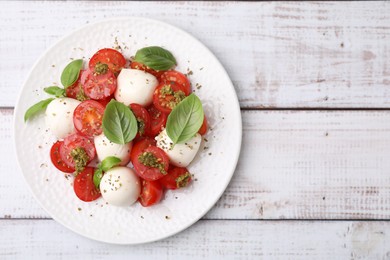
[151, 193]
[158, 121]
[56, 158]
[176, 178]
[139, 146]
[76, 90]
[143, 118]
[139, 66]
[178, 78]
[113, 58]
[98, 86]
[84, 187]
[151, 163]
[88, 117]
[105, 101]
[203, 129]
[72, 142]
[167, 96]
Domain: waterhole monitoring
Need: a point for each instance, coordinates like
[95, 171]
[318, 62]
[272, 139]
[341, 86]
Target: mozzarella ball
[120, 186]
[105, 148]
[135, 86]
[180, 155]
[59, 116]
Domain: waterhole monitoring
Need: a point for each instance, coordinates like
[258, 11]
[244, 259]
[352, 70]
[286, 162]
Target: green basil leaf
[71, 73]
[104, 166]
[109, 162]
[55, 91]
[156, 58]
[185, 119]
[35, 109]
[97, 177]
[119, 123]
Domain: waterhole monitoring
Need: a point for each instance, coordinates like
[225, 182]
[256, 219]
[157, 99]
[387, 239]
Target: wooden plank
[281, 54]
[37, 239]
[293, 165]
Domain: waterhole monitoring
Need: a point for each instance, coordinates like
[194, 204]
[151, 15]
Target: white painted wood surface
[209, 239]
[278, 54]
[311, 167]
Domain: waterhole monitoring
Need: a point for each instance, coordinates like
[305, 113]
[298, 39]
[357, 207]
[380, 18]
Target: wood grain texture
[293, 165]
[280, 54]
[207, 239]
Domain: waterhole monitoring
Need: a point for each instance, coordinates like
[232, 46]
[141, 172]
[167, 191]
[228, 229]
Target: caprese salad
[138, 118]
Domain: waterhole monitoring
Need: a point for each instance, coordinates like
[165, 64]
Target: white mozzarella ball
[120, 186]
[135, 86]
[180, 155]
[59, 116]
[105, 148]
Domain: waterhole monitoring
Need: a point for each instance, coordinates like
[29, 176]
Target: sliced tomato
[56, 158]
[158, 121]
[151, 163]
[173, 76]
[167, 96]
[84, 187]
[105, 101]
[113, 58]
[176, 178]
[151, 193]
[139, 66]
[76, 90]
[203, 129]
[139, 146]
[88, 118]
[143, 118]
[98, 86]
[75, 141]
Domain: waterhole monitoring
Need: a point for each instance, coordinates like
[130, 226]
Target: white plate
[213, 167]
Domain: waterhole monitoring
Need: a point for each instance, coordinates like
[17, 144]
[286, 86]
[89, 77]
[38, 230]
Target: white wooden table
[313, 80]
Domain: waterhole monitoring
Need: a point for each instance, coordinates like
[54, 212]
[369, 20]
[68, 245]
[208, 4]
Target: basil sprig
[55, 91]
[71, 73]
[108, 163]
[156, 58]
[185, 119]
[35, 109]
[119, 123]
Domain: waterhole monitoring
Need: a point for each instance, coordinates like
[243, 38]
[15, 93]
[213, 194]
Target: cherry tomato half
[98, 86]
[56, 158]
[203, 129]
[167, 96]
[88, 117]
[73, 142]
[76, 90]
[176, 178]
[139, 146]
[143, 118]
[151, 193]
[178, 78]
[113, 58]
[151, 163]
[158, 121]
[84, 187]
[139, 66]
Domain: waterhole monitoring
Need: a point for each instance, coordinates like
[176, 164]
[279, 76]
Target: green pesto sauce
[150, 160]
[80, 96]
[178, 96]
[141, 126]
[183, 180]
[101, 68]
[80, 158]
